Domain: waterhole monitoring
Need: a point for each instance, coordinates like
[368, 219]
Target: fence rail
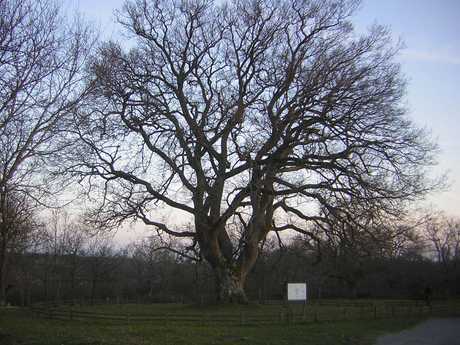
[317, 312]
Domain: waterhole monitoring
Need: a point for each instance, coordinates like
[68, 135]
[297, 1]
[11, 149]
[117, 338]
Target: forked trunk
[230, 278]
[230, 273]
[230, 286]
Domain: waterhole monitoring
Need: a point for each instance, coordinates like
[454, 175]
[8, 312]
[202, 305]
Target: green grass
[252, 314]
[20, 327]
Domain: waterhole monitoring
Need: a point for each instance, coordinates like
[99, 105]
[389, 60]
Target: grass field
[253, 314]
[329, 322]
[20, 327]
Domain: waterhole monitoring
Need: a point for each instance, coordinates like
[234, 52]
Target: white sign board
[297, 291]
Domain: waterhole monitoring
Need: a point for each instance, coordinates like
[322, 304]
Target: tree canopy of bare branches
[41, 59]
[249, 115]
[443, 236]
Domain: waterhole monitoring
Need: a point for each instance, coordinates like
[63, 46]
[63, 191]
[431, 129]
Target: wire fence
[277, 313]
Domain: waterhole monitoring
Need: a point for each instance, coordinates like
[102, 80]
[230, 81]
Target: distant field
[19, 327]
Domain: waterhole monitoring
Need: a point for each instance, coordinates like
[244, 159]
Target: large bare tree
[244, 118]
[41, 59]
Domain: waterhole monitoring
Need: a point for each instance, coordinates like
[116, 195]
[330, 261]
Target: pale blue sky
[431, 61]
[430, 30]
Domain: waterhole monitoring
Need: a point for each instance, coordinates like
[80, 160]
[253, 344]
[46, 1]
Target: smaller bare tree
[42, 56]
[101, 261]
[443, 233]
[18, 224]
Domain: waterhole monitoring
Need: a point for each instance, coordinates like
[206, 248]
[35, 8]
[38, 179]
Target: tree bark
[93, 290]
[230, 286]
[217, 250]
[229, 273]
[3, 258]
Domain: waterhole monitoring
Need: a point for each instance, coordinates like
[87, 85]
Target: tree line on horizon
[64, 262]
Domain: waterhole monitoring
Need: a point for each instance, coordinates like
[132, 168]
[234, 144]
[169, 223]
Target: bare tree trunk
[230, 286]
[72, 284]
[93, 290]
[57, 296]
[22, 292]
[45, 286]
[3, 259]
[217, 249]
[230, 275]
[73, 275]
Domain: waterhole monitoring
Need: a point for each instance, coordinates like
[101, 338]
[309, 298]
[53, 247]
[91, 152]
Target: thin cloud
[437, 57]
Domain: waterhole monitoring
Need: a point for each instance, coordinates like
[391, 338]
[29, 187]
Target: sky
[430, 30]
[431, 63]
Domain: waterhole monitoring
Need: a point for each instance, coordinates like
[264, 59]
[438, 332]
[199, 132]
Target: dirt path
[431, 332]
